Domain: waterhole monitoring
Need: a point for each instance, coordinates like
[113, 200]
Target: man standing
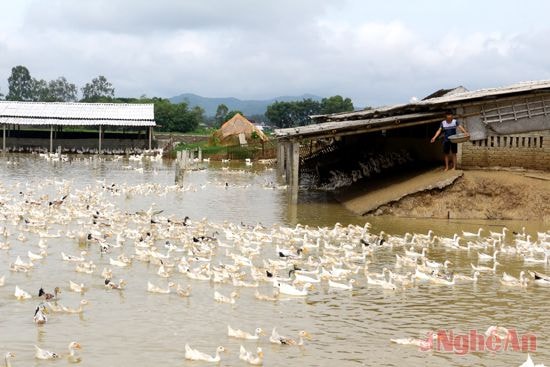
[449, 126]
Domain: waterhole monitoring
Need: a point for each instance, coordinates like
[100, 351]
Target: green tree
[232, 113]
[98, 90]
[336, 104]
[39, 90]
[60, 90]
[177, 117]
[289, 114]
[221, 113]
[20, 84]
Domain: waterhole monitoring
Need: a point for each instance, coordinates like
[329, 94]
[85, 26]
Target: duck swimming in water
[40, 315]
[49, 296]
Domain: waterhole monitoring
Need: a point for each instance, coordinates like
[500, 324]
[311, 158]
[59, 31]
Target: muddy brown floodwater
[137, 328]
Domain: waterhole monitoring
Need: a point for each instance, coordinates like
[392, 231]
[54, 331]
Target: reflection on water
[144, 329]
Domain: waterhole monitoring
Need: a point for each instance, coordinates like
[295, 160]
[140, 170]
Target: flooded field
[242, 236]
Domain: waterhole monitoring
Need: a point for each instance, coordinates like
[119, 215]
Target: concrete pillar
[280, 158]
[294, 170]
[51, 138]
[150, 136]
[288, 160]
[184, 156]
[100, 131]
[4, 138]
[200, 154]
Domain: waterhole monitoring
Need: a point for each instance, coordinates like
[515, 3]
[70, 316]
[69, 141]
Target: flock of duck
[291, 261]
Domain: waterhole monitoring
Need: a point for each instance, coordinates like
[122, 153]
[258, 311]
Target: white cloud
[252, 49]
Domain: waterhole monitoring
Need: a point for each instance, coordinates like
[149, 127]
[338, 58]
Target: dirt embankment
[481, 195]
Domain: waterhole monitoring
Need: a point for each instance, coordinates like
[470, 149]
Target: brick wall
[531, 150]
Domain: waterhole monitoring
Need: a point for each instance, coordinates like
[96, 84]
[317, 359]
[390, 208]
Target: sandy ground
[481, 195]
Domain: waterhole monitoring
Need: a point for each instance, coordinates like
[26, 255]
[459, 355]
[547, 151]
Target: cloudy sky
[376, 52]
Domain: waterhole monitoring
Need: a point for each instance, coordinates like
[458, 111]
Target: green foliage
[289, 114]
[177, 117]
[39, 90]
[336, 104]
[60, 90]
[230, 115]
[20, 84]
[97, 90]
[221, 112]
[22, 87]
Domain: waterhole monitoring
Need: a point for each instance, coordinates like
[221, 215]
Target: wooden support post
[51, 138]
[4, 138]
[100, 131]
[295, 170]
[280, 158]
[150, 136]
[200, 154]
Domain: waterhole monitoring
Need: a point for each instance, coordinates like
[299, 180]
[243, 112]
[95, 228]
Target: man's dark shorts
[448, 147]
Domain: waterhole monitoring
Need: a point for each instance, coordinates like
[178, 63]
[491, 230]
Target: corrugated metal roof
[452, 98]
[334, 128]
[346, 122]
[74, 113]
[73, 122]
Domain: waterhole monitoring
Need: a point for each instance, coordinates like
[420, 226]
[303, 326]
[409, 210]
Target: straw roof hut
[238, 130]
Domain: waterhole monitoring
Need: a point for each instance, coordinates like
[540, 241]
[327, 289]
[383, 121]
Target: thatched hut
[239, 131]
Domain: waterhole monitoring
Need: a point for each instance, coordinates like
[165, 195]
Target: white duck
[196, 355]
[255, 360]
[466, 278]
[73, 357]
[2, 280]
[156, 289]
[422, 343]
[540, 279]
[34, 257]
[337, 285]
[7, 358]
[276, 338]
[485, 257]
[471, 234]
[529, 363]
[73, 258]
[443, 281]
[511, 281]
[436, 265]
[39, 315]
[183, 292]
[75, 287]
[80, 308]
[239, 334]
[21, 294]
[293, 291]
[485, 269]
[120, 264]
[218, 297]
[44, 354]
[306, 279]
[412, 253]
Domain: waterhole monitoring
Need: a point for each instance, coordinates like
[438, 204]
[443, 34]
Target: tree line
[169, 116]
[178, 117]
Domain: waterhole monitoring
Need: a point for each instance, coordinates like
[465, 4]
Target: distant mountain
[248, 107]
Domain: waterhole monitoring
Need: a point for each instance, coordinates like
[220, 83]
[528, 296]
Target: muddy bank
[481, 195]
